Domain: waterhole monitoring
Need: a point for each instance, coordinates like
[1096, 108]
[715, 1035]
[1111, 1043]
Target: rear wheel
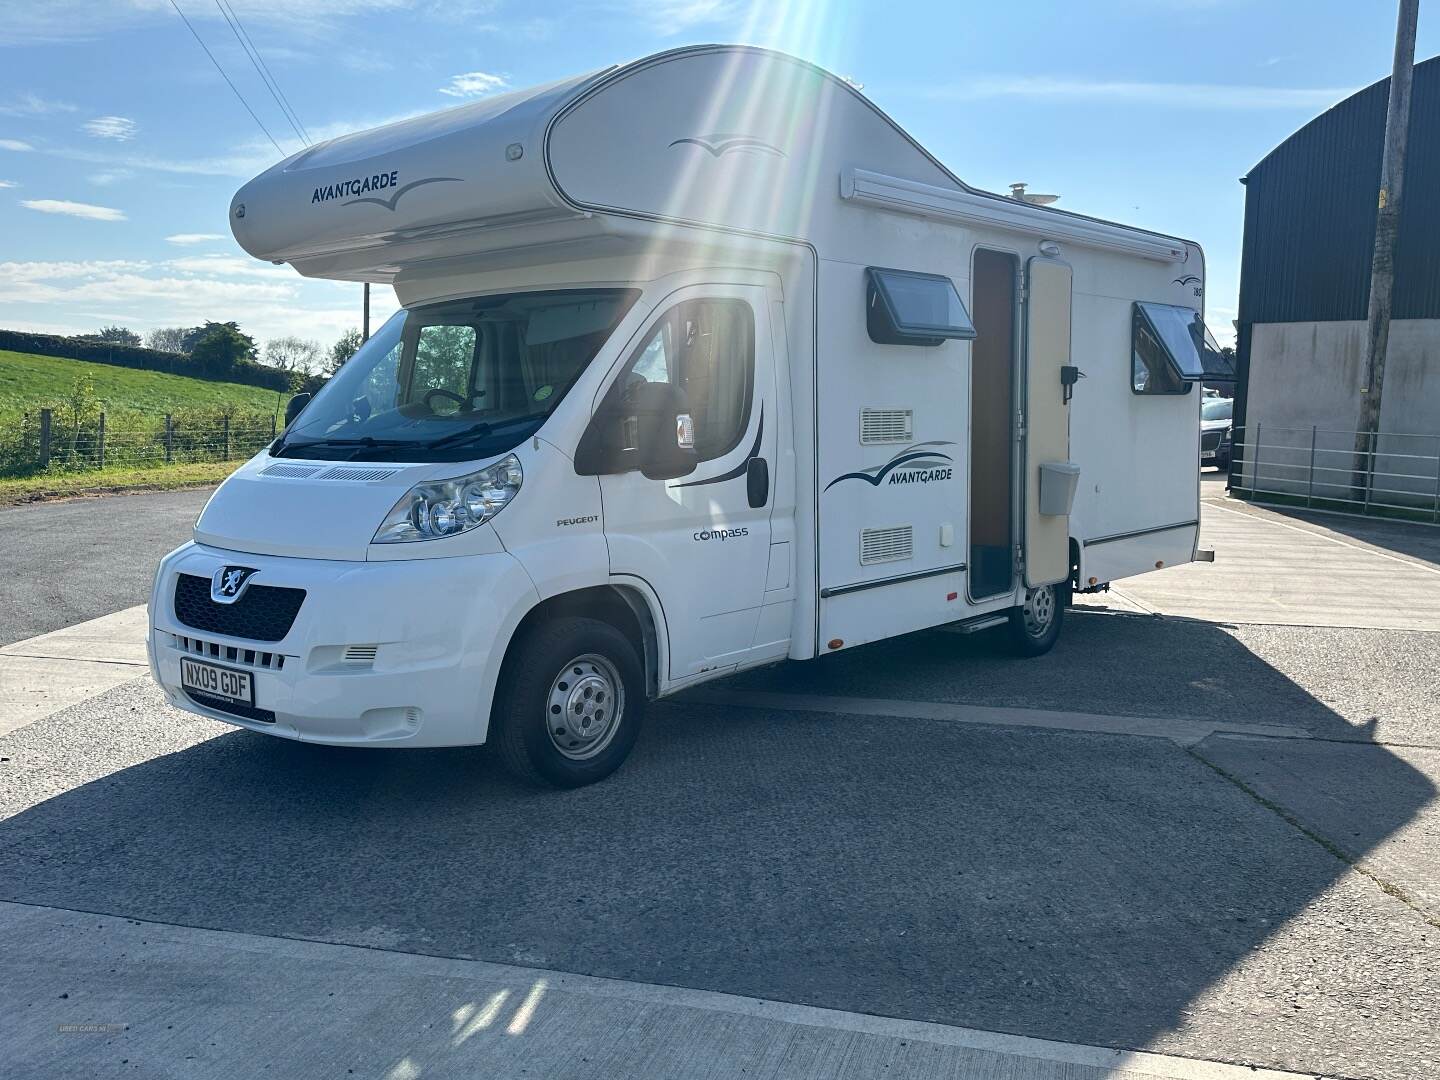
[1034, 626]
[571, 704]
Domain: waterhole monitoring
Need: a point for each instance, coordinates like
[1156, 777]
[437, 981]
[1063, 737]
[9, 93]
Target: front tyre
[1034, 626]
[571, 703]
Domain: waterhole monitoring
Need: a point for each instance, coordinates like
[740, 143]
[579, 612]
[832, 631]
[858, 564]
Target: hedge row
[246, 372]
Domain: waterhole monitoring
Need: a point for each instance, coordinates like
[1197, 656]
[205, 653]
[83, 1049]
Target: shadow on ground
[1117, 663]
[1076, 887]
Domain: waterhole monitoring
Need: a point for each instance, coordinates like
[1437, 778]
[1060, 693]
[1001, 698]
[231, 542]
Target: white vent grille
[886, 426]
[361, 654]
[355, 472]
[230, 654]
[893, 544]
[294, 472]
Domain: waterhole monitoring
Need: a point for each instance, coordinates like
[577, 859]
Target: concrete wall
[1305, 375]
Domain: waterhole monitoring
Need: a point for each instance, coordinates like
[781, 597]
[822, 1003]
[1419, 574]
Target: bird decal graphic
[389, 203]
[719, 145]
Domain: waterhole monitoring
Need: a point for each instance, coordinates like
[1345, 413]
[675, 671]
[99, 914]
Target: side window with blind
[707, 349]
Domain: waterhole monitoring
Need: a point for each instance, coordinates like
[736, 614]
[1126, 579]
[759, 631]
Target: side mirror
[294, 407]
[665, 433]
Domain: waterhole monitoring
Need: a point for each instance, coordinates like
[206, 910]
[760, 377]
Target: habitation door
[702, 541]
[1047, 417]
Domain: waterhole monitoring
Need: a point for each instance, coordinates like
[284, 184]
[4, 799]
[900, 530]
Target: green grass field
[29, 382]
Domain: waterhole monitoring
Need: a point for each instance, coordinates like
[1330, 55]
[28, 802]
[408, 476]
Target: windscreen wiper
[457, 438]
[365, 442]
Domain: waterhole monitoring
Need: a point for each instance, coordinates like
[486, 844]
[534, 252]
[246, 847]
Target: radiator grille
[213, 650]
[886, 426]
[294, 472]
[263, 612]
[893, 544]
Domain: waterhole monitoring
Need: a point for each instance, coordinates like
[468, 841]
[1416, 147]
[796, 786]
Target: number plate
[221, 682]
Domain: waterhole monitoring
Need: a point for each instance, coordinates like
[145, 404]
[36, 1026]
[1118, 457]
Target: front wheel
[571, 704]
[1034, 626]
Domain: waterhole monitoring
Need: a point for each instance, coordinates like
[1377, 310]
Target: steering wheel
[436, 391]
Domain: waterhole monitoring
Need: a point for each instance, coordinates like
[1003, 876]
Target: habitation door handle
[757, 482]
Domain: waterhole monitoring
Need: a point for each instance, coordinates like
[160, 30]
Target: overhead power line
[239, 96]
[232, 17]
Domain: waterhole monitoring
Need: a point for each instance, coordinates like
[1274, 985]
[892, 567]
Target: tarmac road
[70, 560]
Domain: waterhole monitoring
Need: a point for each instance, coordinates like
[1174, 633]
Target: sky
[121, 144]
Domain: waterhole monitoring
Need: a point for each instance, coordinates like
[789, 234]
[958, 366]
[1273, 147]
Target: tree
[348, 344]
[221, 345]
[118, 335]
[191, 336]
[292, 354]
[168, 339]
[80, 408]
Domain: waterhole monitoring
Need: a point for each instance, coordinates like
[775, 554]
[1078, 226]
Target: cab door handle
[757, 482]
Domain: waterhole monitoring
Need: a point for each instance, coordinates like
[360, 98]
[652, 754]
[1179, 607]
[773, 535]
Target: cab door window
[707, 349]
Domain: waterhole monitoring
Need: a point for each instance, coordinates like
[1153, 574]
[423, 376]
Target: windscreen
[457, 381]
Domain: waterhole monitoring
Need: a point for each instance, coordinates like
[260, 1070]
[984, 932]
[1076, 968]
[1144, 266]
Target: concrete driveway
[1202, 830]
[76, 559]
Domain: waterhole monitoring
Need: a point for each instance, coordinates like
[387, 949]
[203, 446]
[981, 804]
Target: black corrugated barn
[1305, 271]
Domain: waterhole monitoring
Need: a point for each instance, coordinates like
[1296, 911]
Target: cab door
[702, 541]
[1047, 423]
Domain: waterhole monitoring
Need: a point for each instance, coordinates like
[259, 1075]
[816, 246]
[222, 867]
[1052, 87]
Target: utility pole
[365, 324]
[1382, 266]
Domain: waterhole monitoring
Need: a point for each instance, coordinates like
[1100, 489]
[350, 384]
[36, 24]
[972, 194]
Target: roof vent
[886, 426]
[893, 544]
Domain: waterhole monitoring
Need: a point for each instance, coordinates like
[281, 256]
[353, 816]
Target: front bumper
[380, 653]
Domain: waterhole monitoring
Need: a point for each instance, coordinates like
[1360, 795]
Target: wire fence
[47, 440]
[1387, 474]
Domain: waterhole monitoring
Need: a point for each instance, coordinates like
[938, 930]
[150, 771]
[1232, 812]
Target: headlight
[441, 508]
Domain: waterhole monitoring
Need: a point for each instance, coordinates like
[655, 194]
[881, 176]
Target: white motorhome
[703, 364]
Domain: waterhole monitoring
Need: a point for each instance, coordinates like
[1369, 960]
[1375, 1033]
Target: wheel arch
[626, 606]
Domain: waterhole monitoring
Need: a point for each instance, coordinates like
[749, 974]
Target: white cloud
[188, 238]
[8, 184]
[20, 272]
[85, 295]
[74, 209]
[474, 84]
[111, 176]
[669, 17]
[244, 159]
[28, 104]
[1168, 95]
[229, 266]
[15, 144]
[119, 128]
